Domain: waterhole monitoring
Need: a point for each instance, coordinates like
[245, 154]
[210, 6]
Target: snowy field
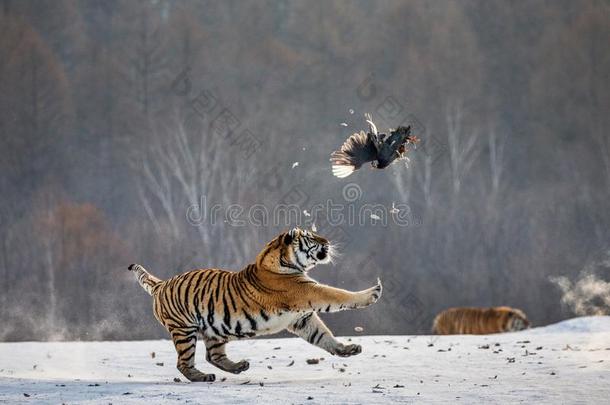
[567, 362]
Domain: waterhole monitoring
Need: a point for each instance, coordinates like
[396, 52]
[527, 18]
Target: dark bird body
[390, 149]
[379, 149]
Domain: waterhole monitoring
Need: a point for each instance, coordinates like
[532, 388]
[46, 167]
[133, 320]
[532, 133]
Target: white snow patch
[585, 324]
[567, 362]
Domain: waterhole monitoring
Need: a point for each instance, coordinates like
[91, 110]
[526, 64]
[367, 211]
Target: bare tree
[423, 175]
[188, 167]
[496, 159]
[463, 150]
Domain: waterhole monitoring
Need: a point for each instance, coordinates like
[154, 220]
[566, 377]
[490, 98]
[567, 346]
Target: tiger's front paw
[373, 294]
[347, 350]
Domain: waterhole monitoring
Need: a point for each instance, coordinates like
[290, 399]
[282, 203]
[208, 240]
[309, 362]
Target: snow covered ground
[568, 362]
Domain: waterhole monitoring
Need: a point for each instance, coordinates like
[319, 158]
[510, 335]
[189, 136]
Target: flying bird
[379, 149]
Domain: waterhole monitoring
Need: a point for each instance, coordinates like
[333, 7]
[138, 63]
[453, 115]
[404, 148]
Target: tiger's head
[513, 319]
[295, 251]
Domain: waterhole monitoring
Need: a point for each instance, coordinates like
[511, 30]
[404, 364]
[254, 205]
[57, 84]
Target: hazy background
[117, 116]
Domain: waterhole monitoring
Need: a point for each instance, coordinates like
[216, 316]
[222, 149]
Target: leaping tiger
[271, 295]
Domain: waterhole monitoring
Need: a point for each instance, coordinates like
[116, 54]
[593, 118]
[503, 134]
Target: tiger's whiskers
[333, 253]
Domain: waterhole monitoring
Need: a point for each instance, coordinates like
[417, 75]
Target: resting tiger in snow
[479, 321]
[271, 295]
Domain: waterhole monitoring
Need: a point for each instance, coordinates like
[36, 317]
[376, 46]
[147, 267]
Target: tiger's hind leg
[185, 341]
[311, 328]
[216, 355]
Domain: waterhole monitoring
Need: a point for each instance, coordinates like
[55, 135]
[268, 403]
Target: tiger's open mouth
[317, 253]
[308, 249]
[312, 253]
[323, 254]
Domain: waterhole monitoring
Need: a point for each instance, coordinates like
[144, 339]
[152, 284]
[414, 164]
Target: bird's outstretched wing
[357, 150]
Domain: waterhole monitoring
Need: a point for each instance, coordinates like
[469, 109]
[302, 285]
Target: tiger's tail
[146, 280]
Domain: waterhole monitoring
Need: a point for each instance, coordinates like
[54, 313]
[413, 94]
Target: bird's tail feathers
[342, 171]
[342, 164]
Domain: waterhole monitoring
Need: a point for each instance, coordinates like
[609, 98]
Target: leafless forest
[118, 117]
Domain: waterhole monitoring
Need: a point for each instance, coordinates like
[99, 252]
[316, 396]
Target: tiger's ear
[289, 236]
